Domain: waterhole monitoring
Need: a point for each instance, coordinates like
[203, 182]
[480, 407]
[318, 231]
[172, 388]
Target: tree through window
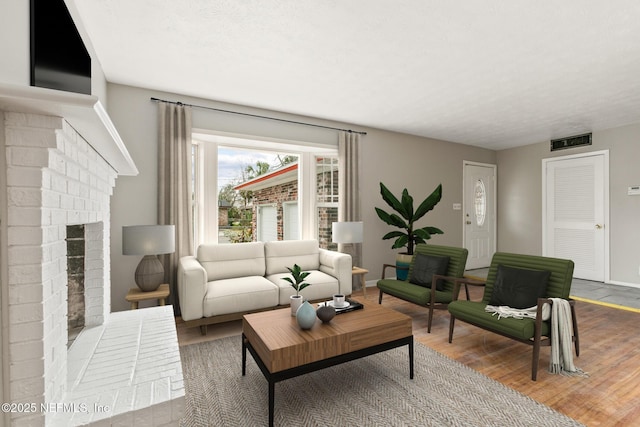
[270, 191]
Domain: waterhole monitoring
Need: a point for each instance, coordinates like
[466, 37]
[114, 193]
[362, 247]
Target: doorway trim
[466, 163]
[606, 197]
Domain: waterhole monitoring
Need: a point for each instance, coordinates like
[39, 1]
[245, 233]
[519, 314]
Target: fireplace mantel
[84, 113]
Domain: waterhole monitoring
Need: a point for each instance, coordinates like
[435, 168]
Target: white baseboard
[629, 285]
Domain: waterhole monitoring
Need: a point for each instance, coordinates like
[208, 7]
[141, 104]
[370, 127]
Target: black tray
[353, 305]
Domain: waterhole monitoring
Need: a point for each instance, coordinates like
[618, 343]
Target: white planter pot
[295, 301]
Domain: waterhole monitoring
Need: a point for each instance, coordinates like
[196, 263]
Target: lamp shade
[347, 232]
[148, 239]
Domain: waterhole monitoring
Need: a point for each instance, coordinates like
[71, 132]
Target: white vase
[295, 301]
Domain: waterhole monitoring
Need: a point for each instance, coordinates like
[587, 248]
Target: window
[480, 202]
[196, 196]
[326, 199]
[290, 221]
[250, 190]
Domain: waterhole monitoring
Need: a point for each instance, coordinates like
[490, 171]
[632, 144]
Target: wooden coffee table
[282, 350]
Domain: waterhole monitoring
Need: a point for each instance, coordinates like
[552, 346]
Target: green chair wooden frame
[427, 297]
[535, 332]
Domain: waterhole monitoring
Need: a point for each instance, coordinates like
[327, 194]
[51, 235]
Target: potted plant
[298, 284]
[408, 236]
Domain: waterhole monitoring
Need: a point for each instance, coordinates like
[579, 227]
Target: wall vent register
[571, 142]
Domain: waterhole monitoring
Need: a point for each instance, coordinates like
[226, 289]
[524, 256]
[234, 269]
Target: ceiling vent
[571, 142]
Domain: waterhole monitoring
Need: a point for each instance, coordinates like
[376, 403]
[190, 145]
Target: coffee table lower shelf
[273, 378]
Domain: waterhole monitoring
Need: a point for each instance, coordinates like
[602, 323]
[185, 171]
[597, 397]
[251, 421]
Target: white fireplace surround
[62, 158]
[54, 179]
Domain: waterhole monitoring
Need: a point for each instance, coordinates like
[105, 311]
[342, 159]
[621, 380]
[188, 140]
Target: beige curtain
[174, 186]
[349, 188]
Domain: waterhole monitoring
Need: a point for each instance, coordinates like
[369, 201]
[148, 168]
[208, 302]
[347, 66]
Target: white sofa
[224, 281]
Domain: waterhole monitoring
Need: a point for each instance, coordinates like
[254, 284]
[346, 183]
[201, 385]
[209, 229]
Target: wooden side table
[135, 295]
[355, 271]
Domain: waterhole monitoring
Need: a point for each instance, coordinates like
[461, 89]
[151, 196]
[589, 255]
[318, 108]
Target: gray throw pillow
[425, 266]
[519, 287]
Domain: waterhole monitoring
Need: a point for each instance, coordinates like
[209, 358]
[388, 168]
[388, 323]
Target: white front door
[575, 220]
[479, 213]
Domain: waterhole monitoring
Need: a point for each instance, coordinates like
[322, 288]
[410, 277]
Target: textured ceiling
[490, 73]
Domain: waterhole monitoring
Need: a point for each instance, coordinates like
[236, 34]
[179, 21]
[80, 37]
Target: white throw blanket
[506, 311]
[561, 340]
[561, 332]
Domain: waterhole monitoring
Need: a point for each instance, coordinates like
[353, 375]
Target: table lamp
[347, 232]
[150, 241]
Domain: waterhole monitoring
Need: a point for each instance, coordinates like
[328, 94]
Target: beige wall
[398, 160]
[419, 164]
[14, 43]
[520, 198]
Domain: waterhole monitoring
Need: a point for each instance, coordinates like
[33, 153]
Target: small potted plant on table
[298, 284]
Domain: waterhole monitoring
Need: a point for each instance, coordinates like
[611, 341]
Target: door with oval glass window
[479, 213]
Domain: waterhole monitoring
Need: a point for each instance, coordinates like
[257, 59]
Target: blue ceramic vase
[306, 315]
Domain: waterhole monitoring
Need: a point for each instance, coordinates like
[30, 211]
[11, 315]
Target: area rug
[373, 391]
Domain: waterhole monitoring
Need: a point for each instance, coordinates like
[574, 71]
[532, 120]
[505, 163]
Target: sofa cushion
[285, 253]
[519, 287]
[227, 261]
[322, 286]
[238, 295]
[425, 266]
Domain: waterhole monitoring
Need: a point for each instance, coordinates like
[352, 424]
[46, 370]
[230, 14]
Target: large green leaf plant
[405, 218]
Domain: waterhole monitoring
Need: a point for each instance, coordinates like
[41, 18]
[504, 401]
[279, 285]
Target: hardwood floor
[609, 352]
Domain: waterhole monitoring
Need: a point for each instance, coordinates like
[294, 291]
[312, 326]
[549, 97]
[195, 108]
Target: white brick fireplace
[57, 171]
[54, 179]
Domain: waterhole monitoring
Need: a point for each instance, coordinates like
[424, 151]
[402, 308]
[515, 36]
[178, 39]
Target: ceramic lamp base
[149, 274]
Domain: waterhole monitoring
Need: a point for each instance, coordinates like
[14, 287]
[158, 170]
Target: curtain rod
[257, 116]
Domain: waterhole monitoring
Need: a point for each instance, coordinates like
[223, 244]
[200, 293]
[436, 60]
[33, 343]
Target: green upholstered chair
[534, 332]
[427, 297]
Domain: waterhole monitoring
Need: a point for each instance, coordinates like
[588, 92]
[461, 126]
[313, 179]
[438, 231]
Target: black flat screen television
[59, 59]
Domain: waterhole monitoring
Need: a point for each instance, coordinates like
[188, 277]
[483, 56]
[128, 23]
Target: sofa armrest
[192, 283]
[338, 265]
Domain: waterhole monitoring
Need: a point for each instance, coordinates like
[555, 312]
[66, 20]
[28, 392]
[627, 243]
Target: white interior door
[575, 220]
[479, 213]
